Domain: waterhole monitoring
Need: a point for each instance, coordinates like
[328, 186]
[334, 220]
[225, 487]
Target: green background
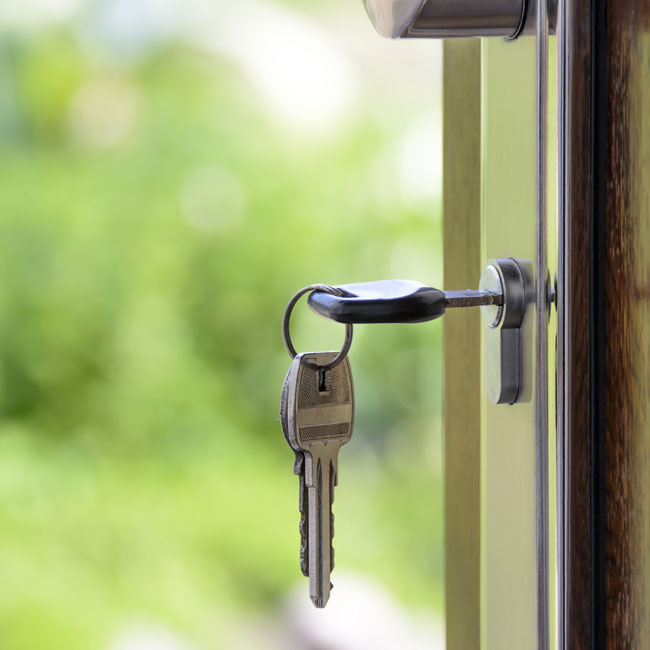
[155, 217]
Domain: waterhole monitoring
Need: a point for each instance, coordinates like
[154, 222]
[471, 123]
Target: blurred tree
[154, 220]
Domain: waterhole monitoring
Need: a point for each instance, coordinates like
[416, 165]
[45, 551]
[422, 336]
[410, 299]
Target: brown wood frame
[604, 348]
[574, 390]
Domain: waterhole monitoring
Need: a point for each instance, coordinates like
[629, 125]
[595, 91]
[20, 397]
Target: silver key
[319, 408]
[299, 470]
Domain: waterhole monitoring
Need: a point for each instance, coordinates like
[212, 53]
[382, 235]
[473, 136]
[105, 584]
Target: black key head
[384, 301]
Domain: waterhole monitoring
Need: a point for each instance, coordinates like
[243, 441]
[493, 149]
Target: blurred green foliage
[143, 472]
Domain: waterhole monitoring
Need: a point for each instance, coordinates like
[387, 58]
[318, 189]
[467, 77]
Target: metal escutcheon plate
[504, 368]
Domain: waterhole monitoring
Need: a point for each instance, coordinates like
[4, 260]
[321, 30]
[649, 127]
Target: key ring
[286, 334]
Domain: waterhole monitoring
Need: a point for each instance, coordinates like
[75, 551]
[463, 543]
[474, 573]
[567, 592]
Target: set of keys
[317, 403]
[317, 415]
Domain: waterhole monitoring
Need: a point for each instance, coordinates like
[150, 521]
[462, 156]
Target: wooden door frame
[603, 347]
[604, 343]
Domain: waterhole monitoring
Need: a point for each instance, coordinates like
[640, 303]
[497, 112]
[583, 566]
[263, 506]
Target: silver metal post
[542, 304]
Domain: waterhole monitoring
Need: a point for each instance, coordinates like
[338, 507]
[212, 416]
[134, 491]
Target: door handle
[448, 18]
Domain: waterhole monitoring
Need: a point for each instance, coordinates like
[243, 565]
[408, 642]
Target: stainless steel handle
[447, 18]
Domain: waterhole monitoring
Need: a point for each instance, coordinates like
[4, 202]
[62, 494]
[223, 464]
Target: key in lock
[505, 293]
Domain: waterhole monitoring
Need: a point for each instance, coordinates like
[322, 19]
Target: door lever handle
[395, 301]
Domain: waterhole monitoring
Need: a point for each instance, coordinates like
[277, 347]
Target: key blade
[472, 298]
[320, 533]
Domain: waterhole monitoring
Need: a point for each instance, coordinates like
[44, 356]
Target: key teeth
[333, 482]
[298, 464]
[304, 555]
[303, 528]
[332, 542]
